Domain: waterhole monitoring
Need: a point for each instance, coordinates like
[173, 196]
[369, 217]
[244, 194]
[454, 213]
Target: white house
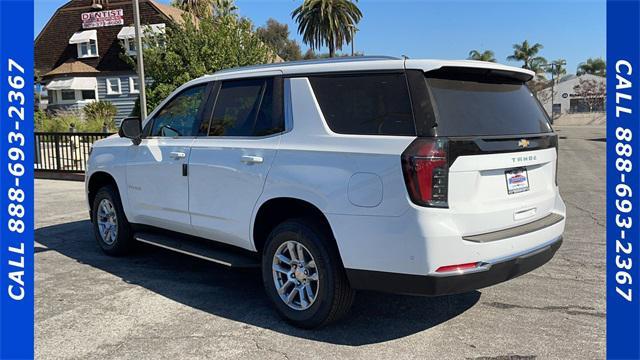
[566, 100]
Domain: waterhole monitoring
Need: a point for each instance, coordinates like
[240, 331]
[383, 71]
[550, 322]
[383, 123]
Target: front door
[157, 181]
[228, 168]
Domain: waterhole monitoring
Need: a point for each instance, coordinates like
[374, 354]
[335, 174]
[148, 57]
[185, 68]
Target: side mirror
[131, 128]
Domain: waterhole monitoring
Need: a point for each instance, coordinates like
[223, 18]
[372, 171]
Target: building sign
[102, 18]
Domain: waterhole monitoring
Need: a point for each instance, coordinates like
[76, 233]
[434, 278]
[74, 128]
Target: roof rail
[308, 62]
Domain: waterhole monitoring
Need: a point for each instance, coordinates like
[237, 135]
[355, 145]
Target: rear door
[501, 149]
[157, 185]
[228, 167]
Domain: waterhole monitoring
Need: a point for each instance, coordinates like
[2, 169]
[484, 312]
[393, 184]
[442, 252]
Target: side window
[271, 115]
[365, 104]
[250, 107]
[179, 117]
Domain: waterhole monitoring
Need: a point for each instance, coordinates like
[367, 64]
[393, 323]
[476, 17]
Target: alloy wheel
[295, 275]
[107, 221]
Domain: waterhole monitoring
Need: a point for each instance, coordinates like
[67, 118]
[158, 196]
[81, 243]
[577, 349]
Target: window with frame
[160, 40]
[88, 49]
[88, 94]
[134, 85]
[581, 105]
[180, 116]
[113, 86]
[151, 34]
[251, 107]
[365, 104]
[131, 46]
[68, 95]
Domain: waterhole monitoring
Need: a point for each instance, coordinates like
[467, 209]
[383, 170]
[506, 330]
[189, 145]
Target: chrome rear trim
[539, 224]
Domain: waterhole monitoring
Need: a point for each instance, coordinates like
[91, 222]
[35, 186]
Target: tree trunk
[332, 50]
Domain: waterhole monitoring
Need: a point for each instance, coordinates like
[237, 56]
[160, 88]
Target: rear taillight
[426, 171]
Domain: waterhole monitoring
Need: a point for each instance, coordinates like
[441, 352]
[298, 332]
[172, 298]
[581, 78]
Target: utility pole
[141, 82]
[554, 65]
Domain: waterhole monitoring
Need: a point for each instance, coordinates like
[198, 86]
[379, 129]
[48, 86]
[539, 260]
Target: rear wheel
[303, 276]
[110, 226]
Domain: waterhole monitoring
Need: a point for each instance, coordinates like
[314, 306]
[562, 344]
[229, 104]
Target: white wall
[563, 92]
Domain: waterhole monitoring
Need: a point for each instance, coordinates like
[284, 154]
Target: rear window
[366, 104]
[478, 106]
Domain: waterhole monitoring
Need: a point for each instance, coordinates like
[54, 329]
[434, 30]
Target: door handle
[177, 155]
[247, 159]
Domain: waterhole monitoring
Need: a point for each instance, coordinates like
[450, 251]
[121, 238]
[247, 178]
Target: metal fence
[64, 152]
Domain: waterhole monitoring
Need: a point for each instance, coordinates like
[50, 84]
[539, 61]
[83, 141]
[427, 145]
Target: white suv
[409, 176]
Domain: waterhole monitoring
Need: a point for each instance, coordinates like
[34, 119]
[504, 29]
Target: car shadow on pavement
[238, 294]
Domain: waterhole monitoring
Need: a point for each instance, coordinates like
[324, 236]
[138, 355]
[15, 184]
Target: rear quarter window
[365, 104]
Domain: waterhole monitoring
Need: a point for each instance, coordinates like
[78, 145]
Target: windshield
[479, 106]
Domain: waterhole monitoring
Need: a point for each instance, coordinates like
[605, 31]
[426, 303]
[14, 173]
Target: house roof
[571, 77]
[54, 55]
[72, 67]
[52, 48]
[169, 11]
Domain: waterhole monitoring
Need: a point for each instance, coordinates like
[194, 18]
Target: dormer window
[130, 45]
[128, 33]
[88, 49]
[87, 43]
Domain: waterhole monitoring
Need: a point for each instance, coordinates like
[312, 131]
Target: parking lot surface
[156, 304]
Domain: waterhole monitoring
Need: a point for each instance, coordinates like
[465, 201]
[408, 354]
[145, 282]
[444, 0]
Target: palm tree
[486, 55]
[326, 22]
[558, 70]
[527, 54]
[199, 8]
[204, 8]
[595, 66]
[224, 7]
[539, 66]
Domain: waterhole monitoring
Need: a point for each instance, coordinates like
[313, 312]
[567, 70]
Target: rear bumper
[490, 273]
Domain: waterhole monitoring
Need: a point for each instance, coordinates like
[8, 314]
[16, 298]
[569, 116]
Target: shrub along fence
[65, 152]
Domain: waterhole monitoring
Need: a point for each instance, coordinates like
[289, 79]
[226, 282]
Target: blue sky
[573, 30]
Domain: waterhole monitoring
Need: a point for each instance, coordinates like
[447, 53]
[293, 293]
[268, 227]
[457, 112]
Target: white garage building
[567, 101]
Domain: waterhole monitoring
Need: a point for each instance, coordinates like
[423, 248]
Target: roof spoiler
[465, 71]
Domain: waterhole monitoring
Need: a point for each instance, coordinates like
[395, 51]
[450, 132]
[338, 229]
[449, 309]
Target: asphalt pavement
[157, 304]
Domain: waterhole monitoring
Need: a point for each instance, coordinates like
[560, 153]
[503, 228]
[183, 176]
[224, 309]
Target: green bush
[98, 115]
[39, 119]
[191, 49]
[65, 120]
[60, 121]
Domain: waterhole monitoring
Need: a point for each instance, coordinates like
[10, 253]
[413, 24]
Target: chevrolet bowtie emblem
[524, 143]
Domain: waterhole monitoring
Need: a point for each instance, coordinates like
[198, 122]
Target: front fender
[109, 156]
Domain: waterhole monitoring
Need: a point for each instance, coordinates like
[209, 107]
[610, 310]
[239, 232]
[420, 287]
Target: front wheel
[110, 226]
[303, 276]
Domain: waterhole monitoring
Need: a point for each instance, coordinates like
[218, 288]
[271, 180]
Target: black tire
[334, 296]
[123, 239]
